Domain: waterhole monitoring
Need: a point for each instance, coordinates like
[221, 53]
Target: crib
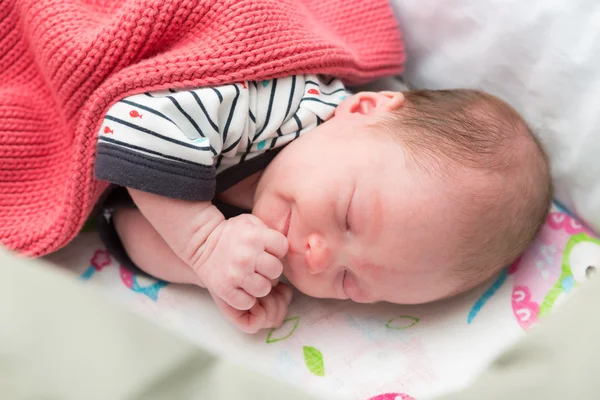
[541, 57]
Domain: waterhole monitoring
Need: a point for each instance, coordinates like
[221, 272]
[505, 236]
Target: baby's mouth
[286, 226]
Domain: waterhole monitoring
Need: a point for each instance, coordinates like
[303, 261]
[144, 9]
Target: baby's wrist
[204, 231]
[215, 255]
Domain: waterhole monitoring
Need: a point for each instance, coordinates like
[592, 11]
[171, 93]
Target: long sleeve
[166, 142]
[174, 143]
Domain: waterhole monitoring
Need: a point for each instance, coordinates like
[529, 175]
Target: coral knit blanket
[64, 62]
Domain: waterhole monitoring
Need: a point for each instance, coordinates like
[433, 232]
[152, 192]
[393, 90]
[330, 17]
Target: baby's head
[406, 198]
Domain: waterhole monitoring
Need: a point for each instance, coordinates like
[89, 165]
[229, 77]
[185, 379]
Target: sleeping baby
[403, 197]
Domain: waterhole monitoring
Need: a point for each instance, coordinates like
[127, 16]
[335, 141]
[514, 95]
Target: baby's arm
[235, 259]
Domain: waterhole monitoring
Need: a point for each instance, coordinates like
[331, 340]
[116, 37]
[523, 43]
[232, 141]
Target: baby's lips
[286, 225]
[287, 244]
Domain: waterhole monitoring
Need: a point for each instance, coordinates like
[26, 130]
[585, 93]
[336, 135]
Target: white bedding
[345, 350]
[542, 56]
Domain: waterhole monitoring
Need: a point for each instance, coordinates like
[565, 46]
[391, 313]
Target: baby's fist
[243, 258]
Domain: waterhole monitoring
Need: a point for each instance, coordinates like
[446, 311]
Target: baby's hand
[241, 259]
[267, 312]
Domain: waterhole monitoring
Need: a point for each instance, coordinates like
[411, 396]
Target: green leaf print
[289, 326]
[402, 322]
[314, 360]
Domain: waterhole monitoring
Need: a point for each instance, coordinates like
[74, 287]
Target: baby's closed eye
[346, 207]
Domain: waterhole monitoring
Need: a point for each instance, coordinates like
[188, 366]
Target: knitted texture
[63, 63]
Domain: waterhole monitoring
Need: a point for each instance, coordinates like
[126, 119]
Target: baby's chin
[290, 278]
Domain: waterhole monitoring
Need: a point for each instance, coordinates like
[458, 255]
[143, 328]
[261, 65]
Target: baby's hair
[444, 131]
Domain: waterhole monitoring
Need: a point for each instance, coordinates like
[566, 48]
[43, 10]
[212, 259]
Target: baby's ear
[370, 103]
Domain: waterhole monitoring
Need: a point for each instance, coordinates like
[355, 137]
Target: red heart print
[526, 311]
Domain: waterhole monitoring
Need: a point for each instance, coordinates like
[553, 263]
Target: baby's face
[360, 225]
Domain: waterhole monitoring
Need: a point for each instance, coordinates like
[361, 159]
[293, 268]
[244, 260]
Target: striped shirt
[176, 143]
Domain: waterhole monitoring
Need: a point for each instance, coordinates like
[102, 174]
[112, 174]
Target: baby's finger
[249, 321]
[238, 298]
[256, 285]
[283, 294]
[252, 320]
[274, 242]
[271, 304]
[286, 291]
[268, 266]
[254, 220]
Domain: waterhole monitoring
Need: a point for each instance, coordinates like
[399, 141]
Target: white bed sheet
[339, 349]
[542, 56]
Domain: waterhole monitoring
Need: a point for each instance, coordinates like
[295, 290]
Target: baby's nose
[318, 254]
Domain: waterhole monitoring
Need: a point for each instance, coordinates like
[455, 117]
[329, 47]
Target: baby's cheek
[292, 274]
[287, 273]
[310, 285]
